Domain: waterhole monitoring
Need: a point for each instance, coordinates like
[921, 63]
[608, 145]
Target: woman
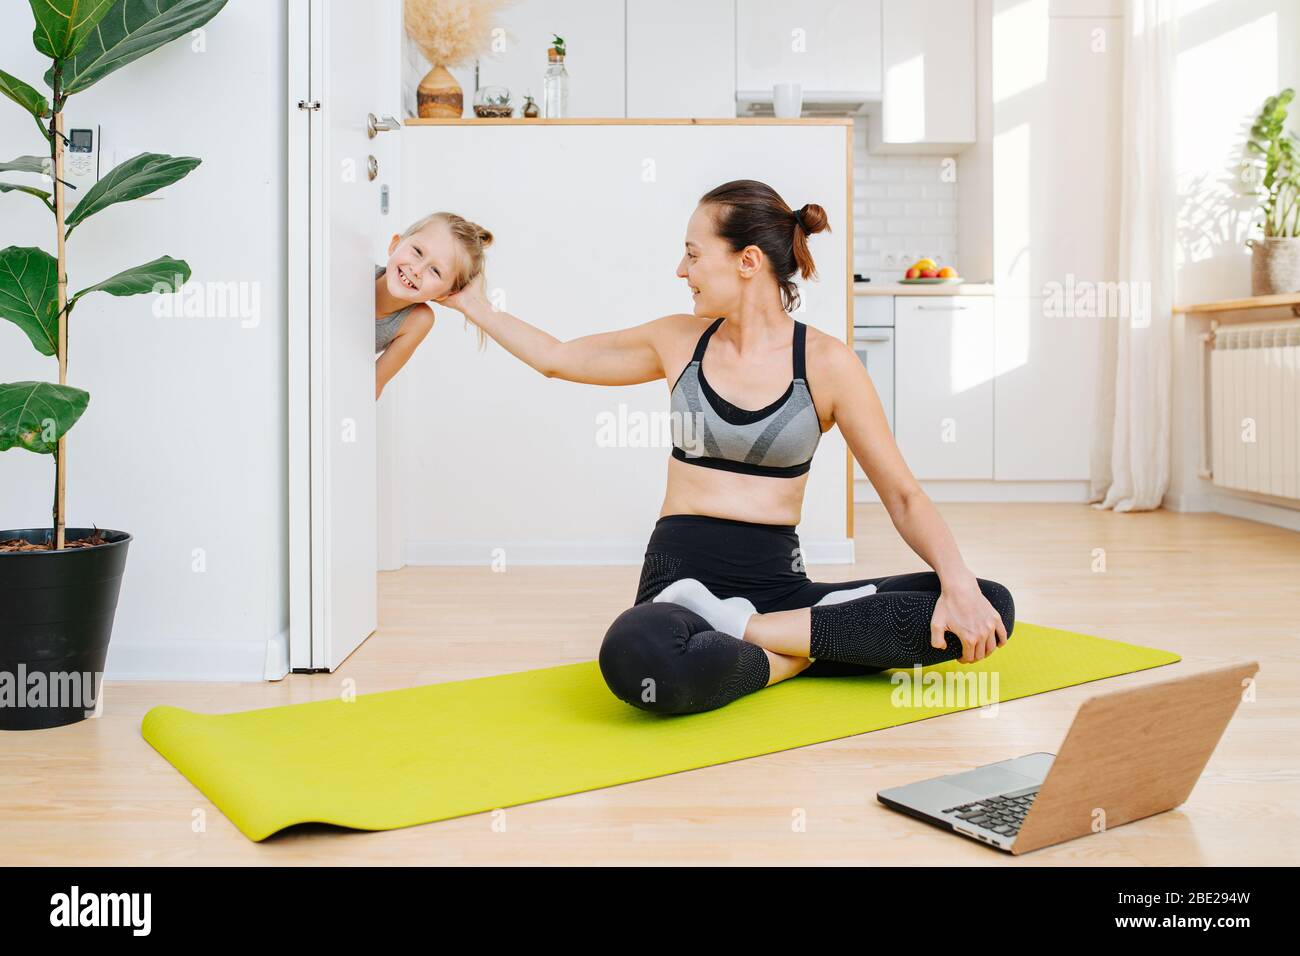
[436, 256]
[724, 607]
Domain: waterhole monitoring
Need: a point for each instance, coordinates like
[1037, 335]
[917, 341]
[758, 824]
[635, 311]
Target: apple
[913, 273]
[929, 273]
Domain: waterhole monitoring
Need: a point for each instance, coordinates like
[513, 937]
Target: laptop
[1129, 754]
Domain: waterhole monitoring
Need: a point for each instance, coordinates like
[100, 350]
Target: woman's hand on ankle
[966, 612]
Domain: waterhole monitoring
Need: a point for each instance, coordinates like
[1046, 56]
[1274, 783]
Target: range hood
[816, 103]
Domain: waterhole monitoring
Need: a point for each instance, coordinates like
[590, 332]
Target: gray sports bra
[708, 430]
[386, 326]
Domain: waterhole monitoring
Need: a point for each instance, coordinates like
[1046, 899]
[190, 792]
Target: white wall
[903, 210]
[493, 455]
[183, 444]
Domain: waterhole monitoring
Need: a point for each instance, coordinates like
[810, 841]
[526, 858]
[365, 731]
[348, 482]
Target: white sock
[730, 616]
[838, 597]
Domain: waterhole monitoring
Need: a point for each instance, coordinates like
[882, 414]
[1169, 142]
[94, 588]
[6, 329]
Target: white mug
[787, 100]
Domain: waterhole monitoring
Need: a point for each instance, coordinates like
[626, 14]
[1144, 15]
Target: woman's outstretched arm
[623, 357]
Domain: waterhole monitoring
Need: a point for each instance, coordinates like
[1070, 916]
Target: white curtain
[1130, 453]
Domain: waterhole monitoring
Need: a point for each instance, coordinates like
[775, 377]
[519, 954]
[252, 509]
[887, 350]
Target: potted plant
[1275, 259]
[59, 586]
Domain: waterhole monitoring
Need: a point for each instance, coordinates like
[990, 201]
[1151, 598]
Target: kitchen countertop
[944, 288]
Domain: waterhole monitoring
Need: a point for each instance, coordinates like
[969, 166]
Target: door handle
[942, 308]
[376, 125]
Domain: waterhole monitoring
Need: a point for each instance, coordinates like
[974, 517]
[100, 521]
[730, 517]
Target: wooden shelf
[615, 121]
[1235, 305]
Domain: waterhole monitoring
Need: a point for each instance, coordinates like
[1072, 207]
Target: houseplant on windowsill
[59, 586]
[1271, 167]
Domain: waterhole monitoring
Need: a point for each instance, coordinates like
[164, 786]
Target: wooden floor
[1209, 587]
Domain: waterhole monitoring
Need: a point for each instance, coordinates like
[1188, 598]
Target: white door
[337, 52]
[943, 385]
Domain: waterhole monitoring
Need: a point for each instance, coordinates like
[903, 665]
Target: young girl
[437, 256]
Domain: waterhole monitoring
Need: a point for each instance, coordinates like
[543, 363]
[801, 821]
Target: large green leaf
[24, 95]
[138, 176]
[35, 415]
[27, 164]
[29, 294]
[40, 194]
[163, 271]
[132, 29]
[62, 26]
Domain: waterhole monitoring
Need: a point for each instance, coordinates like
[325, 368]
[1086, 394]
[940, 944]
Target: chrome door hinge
[309, 104]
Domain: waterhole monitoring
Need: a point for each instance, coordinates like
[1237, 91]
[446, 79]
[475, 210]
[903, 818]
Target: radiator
[1254, 404]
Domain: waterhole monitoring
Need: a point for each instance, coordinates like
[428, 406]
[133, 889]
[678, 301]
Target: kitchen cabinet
[826, 46]
[1053, 281]
[674, 72]
[928, 75]
[943, 385]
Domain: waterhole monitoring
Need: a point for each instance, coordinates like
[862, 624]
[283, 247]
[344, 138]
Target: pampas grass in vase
[451, 33]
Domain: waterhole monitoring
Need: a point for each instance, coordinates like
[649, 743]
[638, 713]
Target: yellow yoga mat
[403, 757]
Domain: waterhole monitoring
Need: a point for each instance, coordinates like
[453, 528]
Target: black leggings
[667, 659]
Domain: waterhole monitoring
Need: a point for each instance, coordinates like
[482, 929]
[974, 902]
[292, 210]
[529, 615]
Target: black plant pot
[56, 617]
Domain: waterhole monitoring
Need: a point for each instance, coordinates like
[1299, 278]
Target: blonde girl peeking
[436, 256]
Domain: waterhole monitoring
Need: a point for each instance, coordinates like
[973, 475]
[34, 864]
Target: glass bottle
[555, 86]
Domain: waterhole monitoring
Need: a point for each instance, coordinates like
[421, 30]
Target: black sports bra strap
[800, 335]
[703, 343]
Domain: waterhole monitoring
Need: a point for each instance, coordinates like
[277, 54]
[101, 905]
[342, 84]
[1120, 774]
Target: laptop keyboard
[1002, 814]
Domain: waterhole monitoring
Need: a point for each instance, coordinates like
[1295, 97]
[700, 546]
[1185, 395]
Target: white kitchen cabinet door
[943, 385]
[674, 72]
[928, 73]
[1052, 281]
[823, 45]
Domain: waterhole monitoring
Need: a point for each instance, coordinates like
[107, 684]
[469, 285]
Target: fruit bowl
[927, 271]
[935, 281]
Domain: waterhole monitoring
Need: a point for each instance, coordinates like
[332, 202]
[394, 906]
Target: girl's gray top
[386, 326]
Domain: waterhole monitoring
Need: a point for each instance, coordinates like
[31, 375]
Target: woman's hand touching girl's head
[471, 297]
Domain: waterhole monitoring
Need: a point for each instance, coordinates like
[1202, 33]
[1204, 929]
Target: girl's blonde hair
[471, 239]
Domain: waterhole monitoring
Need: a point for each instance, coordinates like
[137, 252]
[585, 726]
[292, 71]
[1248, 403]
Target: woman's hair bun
[484, 236]
[814, 218]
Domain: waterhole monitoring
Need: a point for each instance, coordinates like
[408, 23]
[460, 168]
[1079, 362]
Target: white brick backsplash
[902, 209]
